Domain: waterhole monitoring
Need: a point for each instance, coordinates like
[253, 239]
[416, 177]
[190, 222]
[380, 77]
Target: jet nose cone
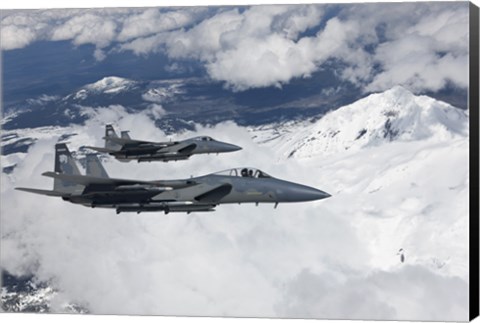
[301, 193]
[311, 194]
[229, 147]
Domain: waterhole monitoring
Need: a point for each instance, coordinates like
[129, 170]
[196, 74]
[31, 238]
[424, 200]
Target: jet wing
[101, 149]
[187, 149]
[42, 192]
[214, 195]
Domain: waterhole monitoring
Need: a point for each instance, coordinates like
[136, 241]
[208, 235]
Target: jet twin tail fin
[65, 164]
[125, 135]
[95, 167]
[110, 136]
[115, 143]
[110, 131]
[67, 178]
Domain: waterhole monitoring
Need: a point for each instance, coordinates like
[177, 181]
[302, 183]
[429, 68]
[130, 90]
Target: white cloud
[88, 28]
[412, 63]
[156, 111]
[419, 46]
[256, 48]
[100, 27]
[303, 18]
[426, 54]
[205, 39]
[419, 295]
[153, 21]
[21, 28]
[275, 60]
[447, 27]
[144, 46]
[13, 37]
[260, 47]
[99, 54]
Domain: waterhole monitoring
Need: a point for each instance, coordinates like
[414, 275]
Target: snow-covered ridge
[394, 115]
[161, 94]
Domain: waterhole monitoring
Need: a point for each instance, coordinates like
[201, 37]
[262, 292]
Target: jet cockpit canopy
[244, 172]
[203, 138]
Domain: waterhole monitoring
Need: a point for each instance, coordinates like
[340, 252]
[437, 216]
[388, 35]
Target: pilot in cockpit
[244, 172]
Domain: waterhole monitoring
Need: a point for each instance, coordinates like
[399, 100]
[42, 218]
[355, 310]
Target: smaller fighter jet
[195, 194]
[125, 149]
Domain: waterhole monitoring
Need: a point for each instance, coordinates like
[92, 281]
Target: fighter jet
[196, 194]
[125, 149]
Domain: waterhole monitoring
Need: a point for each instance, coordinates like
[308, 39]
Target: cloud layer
[327, 259]
[423, 46]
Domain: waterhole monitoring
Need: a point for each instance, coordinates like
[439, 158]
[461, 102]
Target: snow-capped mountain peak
[107, 85]
[393, 115]
[110, 84]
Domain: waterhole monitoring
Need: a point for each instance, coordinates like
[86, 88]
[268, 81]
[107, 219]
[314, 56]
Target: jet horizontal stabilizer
[42, 192]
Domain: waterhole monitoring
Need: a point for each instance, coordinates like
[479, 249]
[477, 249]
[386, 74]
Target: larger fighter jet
[126, 149]
[197, 194]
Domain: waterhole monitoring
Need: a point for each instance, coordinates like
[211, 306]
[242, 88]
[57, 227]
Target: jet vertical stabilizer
[65, 164]
[94, 167]
[110, 133]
